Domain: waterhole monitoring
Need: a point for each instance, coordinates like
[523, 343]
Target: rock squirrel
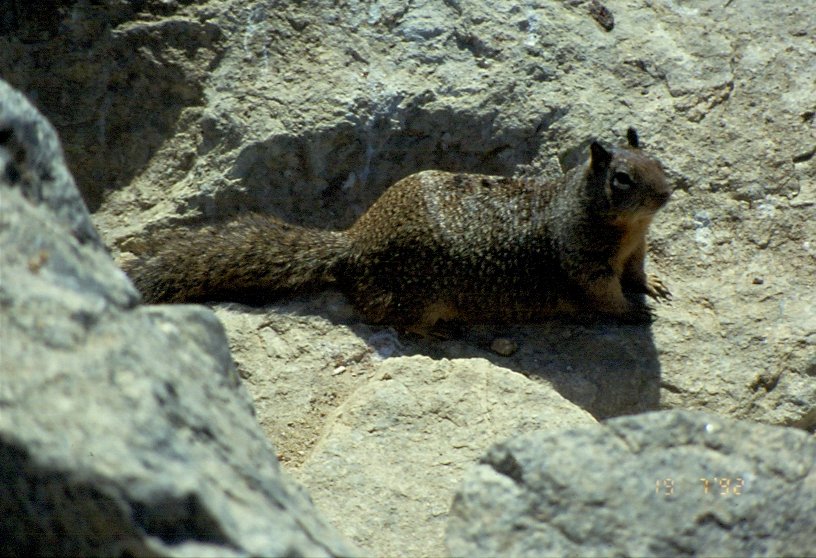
[436, 245]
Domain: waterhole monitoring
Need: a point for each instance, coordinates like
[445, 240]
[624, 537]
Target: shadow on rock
[338, 170]
[112, 125]
[607, 369]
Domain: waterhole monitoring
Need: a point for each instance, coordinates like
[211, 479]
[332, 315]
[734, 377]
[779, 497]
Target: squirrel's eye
[622, 180]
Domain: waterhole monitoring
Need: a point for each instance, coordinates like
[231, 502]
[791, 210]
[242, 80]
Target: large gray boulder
[674, 483]
[392, 455]
[124, 429]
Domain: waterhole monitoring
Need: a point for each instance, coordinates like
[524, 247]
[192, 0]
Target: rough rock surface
[394, 451]
[309, 111]
[182, 112]
[673, 483]
[384, 463]
[124, 429]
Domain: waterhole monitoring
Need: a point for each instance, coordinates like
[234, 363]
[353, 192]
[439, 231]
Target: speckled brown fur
[443, 246]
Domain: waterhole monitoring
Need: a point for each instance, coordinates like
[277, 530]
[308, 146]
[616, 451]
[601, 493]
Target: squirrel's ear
[632, 137]
[599, 156]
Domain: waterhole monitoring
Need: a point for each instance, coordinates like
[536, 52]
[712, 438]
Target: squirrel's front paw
[656, 289]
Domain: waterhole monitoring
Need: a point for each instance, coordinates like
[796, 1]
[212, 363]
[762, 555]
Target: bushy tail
[252, 259]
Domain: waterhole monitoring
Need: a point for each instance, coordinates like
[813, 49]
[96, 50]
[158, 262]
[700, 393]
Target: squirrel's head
[626, 180]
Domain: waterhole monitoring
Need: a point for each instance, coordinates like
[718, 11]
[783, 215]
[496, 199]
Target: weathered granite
[673, 483]
[123, 429]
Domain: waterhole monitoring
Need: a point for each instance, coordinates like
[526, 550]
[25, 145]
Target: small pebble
[503, 346]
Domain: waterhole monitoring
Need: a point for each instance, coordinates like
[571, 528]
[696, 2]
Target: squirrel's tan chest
[632, 243]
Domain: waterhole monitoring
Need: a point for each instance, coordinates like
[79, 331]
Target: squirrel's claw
[656, 289]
